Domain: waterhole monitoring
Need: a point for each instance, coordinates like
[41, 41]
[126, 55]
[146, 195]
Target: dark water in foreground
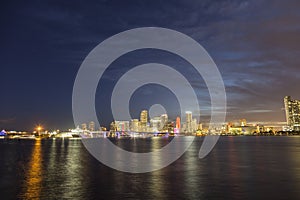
[237, 168]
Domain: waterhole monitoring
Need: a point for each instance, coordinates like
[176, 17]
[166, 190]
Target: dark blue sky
[255, 44]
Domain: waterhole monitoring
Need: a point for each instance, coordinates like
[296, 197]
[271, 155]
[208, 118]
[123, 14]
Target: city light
[164, 126]
[39, 128]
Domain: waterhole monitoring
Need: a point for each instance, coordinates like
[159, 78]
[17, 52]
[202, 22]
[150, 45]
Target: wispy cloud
[255, 44]
[7, 121]
[258, 111]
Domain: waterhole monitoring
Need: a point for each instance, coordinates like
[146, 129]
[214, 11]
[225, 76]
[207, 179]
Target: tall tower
[178, 122]
[292, 112]
[288, 110]
[188, 121]
[143, 120]
[155, 124]
[164, 122]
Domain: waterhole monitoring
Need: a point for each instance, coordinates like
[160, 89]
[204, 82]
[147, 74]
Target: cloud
[258, 111]
[7, 121]
[254, 44]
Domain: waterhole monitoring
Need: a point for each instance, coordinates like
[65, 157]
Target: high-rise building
[113, 126]
[194, 124]
[292, 112]
[143, 120]
[178, 122]
[170, 126]
[144, 117]
[122, 126]
[164, 122]
[188, 121]
[134, 125]
[155, 124]
[92, 126]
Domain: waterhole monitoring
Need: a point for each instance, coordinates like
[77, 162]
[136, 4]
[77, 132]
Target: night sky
[255, 45]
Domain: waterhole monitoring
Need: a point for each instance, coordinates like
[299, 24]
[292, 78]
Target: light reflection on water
[157, 182]
[33, 178]
[237, 168]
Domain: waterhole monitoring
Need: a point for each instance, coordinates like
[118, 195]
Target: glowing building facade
[188, 121]
[143, 120]
[92, 126]
[292, 112]
[134, 125]
[178, 122]
[164, 122]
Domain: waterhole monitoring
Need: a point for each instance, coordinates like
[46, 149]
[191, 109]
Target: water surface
[237, 168]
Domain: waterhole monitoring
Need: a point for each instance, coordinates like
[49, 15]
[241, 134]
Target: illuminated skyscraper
[144, 117]
[143, 120]
[188, 121]
[155, 124]
[194, 124]
[292, 112]
[178, 122]
[113, 126]
[163, 122]
[134, 125]
[92, 126]
[122, 126]
[188, 116]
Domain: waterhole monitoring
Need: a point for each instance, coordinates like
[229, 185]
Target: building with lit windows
[134, 125]
[92, 126]
[178, 123]
[188, 122]
[292, 112]
[164, 122]
[143, 120]
[194, 124]
[122, 126]
[155, 124]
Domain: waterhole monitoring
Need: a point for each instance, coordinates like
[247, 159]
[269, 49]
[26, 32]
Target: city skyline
[159, 99]
[187, 124]
[291, 110]
[161, 125]
[43, 45]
